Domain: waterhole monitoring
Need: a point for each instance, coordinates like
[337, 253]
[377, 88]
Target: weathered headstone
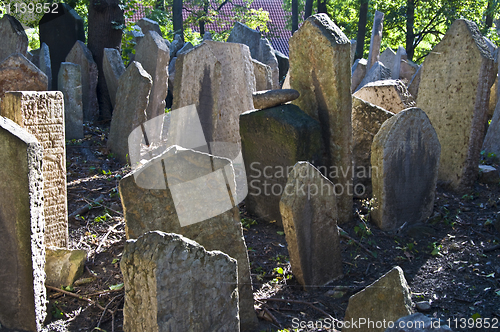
[22, 281]
[155, 209]
[263, 76]
[387, 57]
[113, 68]
[70, 84]
[60, 30]
[187, 46]
[42, 115]
[14, 39]
[493, 99]
[396, 67]
[391, 95]
[405, 154]
[200, 285]
[366, 122]
[454, 92]
[353, 49]
[272, 141]
[134, 88]
[82, 56]
[271, 98]
[387, 299]
[176, 45]
[218, 78]
[378, 72]
[153, 55]
[320, 70]
[147, 25]
[376, 39]
[283, 65]
[18, 74]
[407, 70]
[358, 72]
[44, 63]
[415, 83]
[64, 266]
[309, 211]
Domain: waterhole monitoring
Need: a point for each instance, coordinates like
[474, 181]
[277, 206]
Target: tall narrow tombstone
[263, 76]
[309, 211]
[454, 92]
[82, 56]
[22, 281]
[132, 97]
[376, 39]
[14, 39]
[60, 29]
[491, 141]
[218, 78]
[405, 153]
[173, 284]
[154, 56]
[113, 68]
[19, 74]
[44, 63]
[396, 68]
[391, 95]
[358, 72]
[320, 70]
[70, 84]
[42, 115]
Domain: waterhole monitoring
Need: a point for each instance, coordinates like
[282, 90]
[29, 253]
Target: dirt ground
[449, 260]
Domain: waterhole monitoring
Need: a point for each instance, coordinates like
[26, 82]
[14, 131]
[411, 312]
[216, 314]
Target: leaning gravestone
[44, 63]
[320, 70]
[405, 155]
[134, 88]
[454, 90]
[42, 115]
[22, 281]
[161, 207]
[218, 78]
[147, 25]
[263, 76]
[70, 84]
[14, 39]
[396, 67]
[19, 74]
[60, 29]
[391, 95]
[366, 122]
[153, 55]
[82, 56]
[378, 72]
[414, 83]
[200, 285]
[309, 211]
[273, 140]
[376, 39]
[113, 68]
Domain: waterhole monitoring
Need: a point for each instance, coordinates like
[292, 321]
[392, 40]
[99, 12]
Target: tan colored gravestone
[70, 84]
[309, 212]
[367, 119]
[387, 57]
[19, 74]
[405, 153]
[493, 98]
[64, 266]
[263, 76]
[407, 70]
[42, 115]
[22, 258]
[132, 98]
[320, 70]
[82, 56]
[173, 284]
[391, 95]
[13, 37]
[113, 67]
[218, 78]
[358, 72]
[454, 92]
[387, 299]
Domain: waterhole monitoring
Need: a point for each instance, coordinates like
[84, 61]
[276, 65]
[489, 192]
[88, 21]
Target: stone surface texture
[263, 76]
[44, 63]
[14, 39]
[113, 68]
[19, 74]
[63, 266]
[391, 95]
[272, 98]
[377, 72]
[70, 84]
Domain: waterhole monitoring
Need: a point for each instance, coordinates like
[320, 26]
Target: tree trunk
[295, 15]
[360, 38]
[322, 6]
[202, 22]
[489, 15]
[160, 4]
[308, 9]
[177, 17]
[410, 33]
[104, 19]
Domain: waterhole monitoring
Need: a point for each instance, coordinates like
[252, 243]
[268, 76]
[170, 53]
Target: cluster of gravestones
[351, 130]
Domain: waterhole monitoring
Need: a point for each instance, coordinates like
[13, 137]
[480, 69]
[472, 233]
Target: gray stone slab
[263, 76]
[272, 98]
[19, 74]
[44, 63]
[70, 84]
[113, 68]
[396, 68]
[358, 72]
[387, 57]
[378, 72]
[376, 39]
[14, 39]
[147, 25]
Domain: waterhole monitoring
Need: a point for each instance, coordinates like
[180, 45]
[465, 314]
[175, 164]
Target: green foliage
[248, 222]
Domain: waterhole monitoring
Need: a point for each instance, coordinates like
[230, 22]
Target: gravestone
[200, 285]
[353, 49]
[153, 55]
[22, 281]
[396, 67]
[14, 39]
[407, 70]
[187, 46]
[159, 208]
[82, 56]
[309, 211]
[387, 57]
[491, 143]
[391, 95]
[63, 266]
[273, 140]
[132, 96]
[147, 25]
[283, 64]
[44, 63]
[176, 45]
[358, 72]
[454, 92]
[263, 76]
[376, 39]
[70, 84]
[405, 153]
[367, 119]
[113, 68]
[17, 73]
[415, 83]
[378, 72]
[320, 70]
[42, 115]
[387, 299]
[60, 29]
[218, 78]
[271, 98]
